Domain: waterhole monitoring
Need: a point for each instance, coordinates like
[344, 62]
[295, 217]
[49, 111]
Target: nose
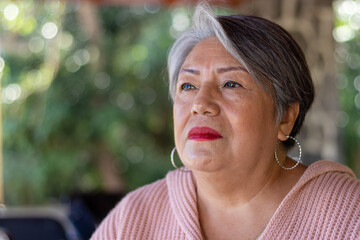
[205, 103]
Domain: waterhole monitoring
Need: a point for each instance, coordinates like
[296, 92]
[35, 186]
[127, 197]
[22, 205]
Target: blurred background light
[357, 100]
[357, 83]
[151, 7]
[2, 64]
[11, 11]
[340, 54]
[81, 57]
[343, 33]
[135, 154]
[180, 21]
[125, 101]
[353, 60]
[11, 93]
[71, 65]
[344, 9]
[49, 30]
[36, 44]
[354, 20]
[66, 40]
[102, 80]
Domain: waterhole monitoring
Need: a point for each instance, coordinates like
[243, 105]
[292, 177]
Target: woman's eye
[231, 84]
[187, 86]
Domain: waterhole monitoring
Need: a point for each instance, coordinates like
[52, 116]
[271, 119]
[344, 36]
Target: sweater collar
[183, 200]
[182, 196]
[313, 171]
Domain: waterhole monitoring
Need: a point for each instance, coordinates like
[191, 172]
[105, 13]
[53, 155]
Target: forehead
[208, 51]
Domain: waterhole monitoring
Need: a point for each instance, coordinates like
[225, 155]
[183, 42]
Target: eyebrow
[228, 69]
[188, 70]
[219, 70]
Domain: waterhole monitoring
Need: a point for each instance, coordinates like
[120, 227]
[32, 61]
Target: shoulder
[328, 179]
[159, 195]
[142, 201]
[324, 204]
[144, 212]
[330, 190]
[146, 194]
[327, 175]
[133, 211]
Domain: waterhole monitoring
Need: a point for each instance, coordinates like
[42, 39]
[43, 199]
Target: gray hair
[268, 52]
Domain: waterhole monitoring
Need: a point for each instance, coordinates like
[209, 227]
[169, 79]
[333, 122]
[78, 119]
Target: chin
[202, 157]
[201, 163]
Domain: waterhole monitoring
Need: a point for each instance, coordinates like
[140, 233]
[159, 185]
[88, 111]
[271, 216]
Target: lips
[203, 134]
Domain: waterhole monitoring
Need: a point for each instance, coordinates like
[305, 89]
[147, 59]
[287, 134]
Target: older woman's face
[222, 118]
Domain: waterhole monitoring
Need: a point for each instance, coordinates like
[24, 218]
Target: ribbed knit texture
[324, 204]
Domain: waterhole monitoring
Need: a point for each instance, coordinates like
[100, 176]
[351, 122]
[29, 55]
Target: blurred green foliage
[347, 55]
[74, 99]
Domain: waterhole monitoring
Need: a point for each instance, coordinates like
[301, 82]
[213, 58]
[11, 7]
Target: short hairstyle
[267, 51]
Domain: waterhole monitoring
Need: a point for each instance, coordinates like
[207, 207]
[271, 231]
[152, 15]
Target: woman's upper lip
[203, 131]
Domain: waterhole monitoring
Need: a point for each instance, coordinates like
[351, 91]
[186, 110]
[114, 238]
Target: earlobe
[287, 122]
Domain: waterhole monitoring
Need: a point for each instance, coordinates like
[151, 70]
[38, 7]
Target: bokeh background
[85, 105]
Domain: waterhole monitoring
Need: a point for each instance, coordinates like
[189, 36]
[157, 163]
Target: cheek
[181, 112]
[250, 117]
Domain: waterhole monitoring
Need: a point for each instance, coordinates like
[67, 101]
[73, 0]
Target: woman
[241, 88]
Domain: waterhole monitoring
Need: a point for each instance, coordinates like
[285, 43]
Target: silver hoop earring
[173, 162]
[297, 161]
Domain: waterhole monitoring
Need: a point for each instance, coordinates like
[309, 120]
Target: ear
[287, 122]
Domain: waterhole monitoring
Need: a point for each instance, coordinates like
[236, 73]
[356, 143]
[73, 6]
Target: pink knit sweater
[324, 204]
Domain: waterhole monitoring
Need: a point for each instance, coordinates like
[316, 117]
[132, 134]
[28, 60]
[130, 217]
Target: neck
[233, 187]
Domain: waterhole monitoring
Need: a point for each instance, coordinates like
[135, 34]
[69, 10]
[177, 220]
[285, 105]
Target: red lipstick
[203, 134]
